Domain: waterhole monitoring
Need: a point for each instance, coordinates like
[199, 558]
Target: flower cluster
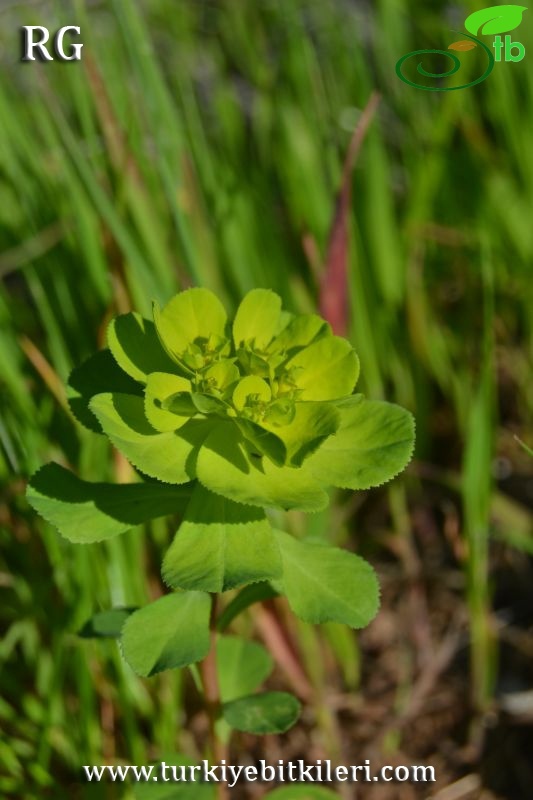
[260, 411]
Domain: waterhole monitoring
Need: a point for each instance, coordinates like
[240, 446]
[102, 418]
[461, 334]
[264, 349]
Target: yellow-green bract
[260, 410]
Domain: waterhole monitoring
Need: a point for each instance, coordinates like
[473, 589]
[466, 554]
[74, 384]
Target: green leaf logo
[498, 19]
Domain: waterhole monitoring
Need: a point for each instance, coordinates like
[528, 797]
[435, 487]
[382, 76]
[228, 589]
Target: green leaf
[311, 425]
[242, 666]
[257, 318]
[327, 584]
[346, 652]
[208, 404]
[253, 593]
[180, 404]
[325, 370]
[222, 374]
[300, 792]
[169, 633]
[225, 465]
[373, 444]
[90, 512]
[280, 412]
[100, 373]
[301, 330]
[263, 442]
[220, 545]
[269, 712]
[193, 314]
[170, 789]
[135, 345]
[254, 364]
[497, 19]
[106, 624]
[160, 387]
[251, 386]
[166, 456]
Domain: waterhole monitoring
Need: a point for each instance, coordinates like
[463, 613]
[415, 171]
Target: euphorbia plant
[225, 422]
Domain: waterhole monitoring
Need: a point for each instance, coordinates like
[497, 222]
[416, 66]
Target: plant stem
[209, 677]
[275, 637]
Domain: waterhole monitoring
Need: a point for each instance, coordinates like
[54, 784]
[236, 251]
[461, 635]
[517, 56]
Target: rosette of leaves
[224, 421]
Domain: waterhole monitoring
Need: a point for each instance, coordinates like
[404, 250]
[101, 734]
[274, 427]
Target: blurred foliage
[202, 143]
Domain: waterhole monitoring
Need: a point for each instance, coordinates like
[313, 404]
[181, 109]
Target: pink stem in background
[334, 288]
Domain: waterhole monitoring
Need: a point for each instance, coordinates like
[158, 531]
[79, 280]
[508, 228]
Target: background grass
[202, 143]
